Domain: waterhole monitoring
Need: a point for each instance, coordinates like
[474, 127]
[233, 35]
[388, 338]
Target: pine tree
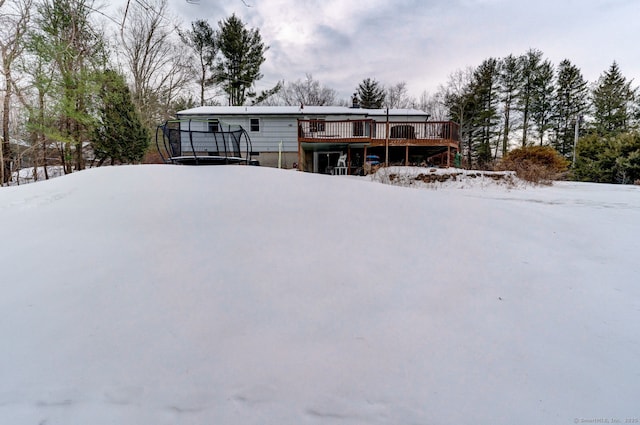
[242, 55]
[541, 106]
[120, 136]
[612, 102]
[510, 78]
[485, 117]
[370, 94]
[202, 40]
[529, 64]
[569, 104]
[67, 40]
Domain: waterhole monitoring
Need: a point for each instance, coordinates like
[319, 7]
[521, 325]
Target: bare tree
[398, 97]
[308, 92]
[154, 60]
[433, 104]
[14, 21]
[458, 100]
[36, 98]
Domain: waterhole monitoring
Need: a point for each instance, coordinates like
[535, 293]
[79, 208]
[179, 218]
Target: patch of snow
[29, 175]
[447, 178]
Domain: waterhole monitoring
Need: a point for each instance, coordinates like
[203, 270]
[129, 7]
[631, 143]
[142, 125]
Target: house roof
[299, 111]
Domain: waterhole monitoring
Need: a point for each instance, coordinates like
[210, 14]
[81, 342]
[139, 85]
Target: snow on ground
[30, 175]
[248, 295]
[447, 178]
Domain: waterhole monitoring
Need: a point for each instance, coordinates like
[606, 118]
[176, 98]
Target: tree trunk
[41, 136]
[79, 156]
[5, 152]
[505, 134]
[525, 124]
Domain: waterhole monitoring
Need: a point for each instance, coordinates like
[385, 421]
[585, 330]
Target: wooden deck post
[386, 141]
[406, 157]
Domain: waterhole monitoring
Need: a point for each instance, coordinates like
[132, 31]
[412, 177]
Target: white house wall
[196, 138]
[272, 130]
[275, 128]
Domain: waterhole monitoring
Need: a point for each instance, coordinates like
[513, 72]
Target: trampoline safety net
[203, 142]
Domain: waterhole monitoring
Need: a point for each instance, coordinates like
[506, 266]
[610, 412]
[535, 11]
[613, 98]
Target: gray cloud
[423, 41]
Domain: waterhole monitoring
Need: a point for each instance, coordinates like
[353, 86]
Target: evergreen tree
[73, 47]
[570, 103]
[612, 102]
[120, 136]
[541, 106]
[370, 94]
[202, 40]
[242, 55]
[485, 117]
[529, 64]
[614, 158]
[509, 78]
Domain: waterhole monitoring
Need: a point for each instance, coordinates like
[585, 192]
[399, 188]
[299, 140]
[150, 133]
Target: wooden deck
[437, 139]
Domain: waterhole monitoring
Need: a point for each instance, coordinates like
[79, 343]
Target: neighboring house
[314, 138]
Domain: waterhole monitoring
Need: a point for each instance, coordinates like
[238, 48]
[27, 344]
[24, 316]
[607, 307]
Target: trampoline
[203, 142]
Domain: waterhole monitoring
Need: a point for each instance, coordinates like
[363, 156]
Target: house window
[316, 125]
[255, 124]
[214, 127]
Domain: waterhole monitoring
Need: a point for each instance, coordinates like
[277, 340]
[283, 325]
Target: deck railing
[368, 130]
[349, 130]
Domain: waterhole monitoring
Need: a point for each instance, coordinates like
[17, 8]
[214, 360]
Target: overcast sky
[341, 42]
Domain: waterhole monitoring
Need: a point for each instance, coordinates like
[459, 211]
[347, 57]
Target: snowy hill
[246, 295]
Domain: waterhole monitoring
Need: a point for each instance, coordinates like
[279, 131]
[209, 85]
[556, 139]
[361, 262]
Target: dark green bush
[608, 159]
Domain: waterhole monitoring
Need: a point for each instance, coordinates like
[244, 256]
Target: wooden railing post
[386, 143]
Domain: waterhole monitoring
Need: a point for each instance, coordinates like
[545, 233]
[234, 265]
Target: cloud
[423, 41]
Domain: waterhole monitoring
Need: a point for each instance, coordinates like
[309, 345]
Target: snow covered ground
[28, 175]
[248, 295]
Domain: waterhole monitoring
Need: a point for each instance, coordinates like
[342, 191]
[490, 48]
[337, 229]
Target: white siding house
[274, 130]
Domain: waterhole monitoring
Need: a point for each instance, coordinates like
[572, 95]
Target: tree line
[69, 85]
[73, 92]
[525, 100]
[519, 101]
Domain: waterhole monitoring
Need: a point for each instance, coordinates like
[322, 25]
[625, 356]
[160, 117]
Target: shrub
[536, 164]
[608, 159]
